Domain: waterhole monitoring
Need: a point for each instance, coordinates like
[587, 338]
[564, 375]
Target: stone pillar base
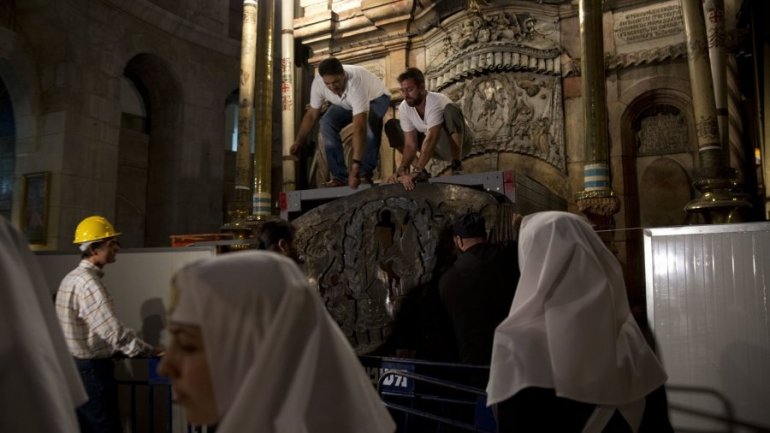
[242, 224]
[721, 201]
[600, 208]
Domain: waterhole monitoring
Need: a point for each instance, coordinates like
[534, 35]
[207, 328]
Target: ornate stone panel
[492, 40]
[660, 130]
[369, 251]
[503, 67]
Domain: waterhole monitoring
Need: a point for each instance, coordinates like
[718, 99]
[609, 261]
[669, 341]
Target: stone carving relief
[491, 40]
[512, 112]
[660, 130]
[369, 252]
[503, 68]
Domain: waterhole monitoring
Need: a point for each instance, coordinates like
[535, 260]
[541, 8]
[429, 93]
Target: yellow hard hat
[94, 228]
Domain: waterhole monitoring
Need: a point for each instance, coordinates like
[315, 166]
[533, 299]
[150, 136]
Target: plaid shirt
[87, 317]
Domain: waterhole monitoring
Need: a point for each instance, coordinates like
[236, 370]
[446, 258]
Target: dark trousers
[100, 413]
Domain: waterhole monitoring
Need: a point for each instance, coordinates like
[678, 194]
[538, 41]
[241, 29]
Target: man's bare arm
[308, 121]
[428, 147]
[359, 147]
[410, 152]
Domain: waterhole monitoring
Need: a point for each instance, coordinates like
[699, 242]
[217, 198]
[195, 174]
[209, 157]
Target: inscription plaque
[663, 24]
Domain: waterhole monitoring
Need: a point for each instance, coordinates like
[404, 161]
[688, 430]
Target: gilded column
[242, 205]
[287, 95]
[718, 202]
[596, 200]
[261, 198]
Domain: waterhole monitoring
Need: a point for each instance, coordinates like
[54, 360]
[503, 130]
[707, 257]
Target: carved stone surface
[648, 27]
[663, 132]
[512, 112]
[368, 251]
[493, 40]
[503, 67]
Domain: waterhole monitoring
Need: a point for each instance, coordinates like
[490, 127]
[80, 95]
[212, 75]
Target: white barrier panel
[708, 303]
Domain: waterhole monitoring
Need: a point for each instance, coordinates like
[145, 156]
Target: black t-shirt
[477, 292]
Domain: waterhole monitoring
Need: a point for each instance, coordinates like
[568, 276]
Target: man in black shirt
[477, 290]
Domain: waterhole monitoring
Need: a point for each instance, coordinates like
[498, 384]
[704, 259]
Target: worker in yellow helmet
[92, 331]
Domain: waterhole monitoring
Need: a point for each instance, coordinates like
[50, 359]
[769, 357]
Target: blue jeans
[100, 413]
[337, 118]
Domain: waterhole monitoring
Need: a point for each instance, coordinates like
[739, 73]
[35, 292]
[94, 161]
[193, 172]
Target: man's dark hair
[92, 247]
[330, 66]
[412, 74]
[273, 231]
[470, 225]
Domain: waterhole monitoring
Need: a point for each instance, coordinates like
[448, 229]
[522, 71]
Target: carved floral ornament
[500, 40]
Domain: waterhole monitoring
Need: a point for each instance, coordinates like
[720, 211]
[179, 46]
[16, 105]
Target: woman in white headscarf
[254, 350]
[39, 385]
[570, 356]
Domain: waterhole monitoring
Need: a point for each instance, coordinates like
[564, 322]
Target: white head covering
[570, 328]
[278, 361]
[39, 384]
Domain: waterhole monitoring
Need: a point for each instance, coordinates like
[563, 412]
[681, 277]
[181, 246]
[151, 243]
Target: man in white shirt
[428, 122]
[356, 96]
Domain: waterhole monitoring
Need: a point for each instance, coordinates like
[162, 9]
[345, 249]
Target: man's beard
[413, 102]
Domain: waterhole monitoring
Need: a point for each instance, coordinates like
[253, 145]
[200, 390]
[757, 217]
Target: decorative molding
[494, 41]
[646, 57]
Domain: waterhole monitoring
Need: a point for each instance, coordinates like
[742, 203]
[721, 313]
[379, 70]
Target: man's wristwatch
[422, 176]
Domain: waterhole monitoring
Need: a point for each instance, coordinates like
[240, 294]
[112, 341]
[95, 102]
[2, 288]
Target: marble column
[596, 200]
[714, 178]
[287, 95]
[241, 208]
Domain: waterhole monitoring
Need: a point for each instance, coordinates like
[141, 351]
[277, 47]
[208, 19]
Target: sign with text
[649, 27]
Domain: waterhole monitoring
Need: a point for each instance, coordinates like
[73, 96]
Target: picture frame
[34, 211]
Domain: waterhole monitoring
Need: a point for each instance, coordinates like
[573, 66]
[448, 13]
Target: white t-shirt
[362, 86]
[434, 113]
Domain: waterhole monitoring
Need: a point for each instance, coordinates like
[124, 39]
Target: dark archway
[161, 130]
[7, 151]
[656, 123]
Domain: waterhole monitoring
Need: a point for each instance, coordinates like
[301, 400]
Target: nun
[39, 385]
[570, 357]
[253, 349]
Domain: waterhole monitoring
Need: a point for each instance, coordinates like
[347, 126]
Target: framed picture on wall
[34, 217]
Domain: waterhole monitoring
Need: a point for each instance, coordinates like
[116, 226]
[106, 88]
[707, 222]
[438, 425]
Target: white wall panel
[708, 302]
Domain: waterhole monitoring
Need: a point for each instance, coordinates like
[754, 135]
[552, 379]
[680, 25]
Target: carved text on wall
[662, 134]
[649, 28]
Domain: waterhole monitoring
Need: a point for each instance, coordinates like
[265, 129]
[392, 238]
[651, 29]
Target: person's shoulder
[439, 96]
[354, 71]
